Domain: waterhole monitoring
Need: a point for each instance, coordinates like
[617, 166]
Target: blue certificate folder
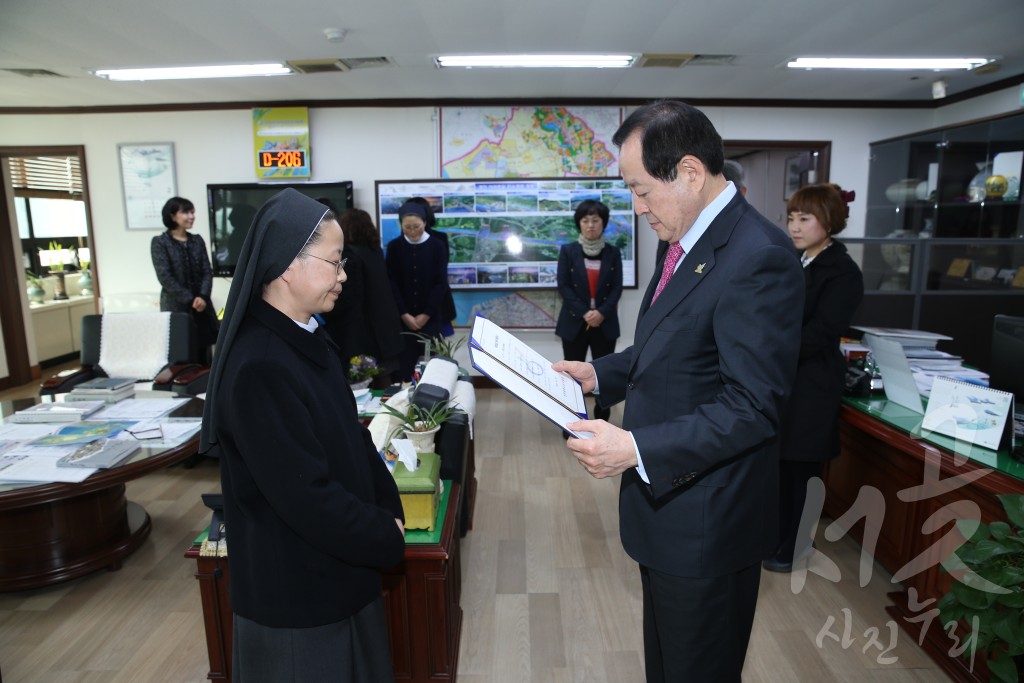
[526, 374]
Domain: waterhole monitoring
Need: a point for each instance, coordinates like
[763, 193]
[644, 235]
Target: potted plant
[361, 371]
[989, 595]
[441, 346]
[55, 262]
[35, 291]
[420, 424]
[85, 279]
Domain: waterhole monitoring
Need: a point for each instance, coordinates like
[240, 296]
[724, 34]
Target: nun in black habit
[312, 511]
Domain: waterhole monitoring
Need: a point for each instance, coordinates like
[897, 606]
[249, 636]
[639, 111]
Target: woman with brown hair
[810, 428]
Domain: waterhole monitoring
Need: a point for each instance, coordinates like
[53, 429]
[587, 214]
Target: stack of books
[107, 389]
[58, 411]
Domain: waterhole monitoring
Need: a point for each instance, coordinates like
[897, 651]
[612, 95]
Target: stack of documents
[925, 360]
[58, 411]
[107, 389]
[527, 375]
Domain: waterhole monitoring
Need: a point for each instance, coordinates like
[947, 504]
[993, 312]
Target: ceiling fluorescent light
[940, 64]
[181, 72]
[536, 61]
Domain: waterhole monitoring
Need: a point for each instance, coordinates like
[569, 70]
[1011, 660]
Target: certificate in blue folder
[526, 374]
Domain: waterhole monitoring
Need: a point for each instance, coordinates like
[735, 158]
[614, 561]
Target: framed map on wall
[524, 142]
[528, 142]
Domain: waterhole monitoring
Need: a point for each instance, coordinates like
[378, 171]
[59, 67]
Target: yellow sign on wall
[281, 142]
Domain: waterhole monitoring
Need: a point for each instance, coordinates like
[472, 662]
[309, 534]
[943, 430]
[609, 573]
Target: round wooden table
[55, 532]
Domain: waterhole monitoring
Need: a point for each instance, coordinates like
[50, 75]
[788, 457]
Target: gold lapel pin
[700, 269]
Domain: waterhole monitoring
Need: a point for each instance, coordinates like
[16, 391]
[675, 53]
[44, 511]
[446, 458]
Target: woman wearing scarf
[311, 510]
[418, 270]
[590, 282]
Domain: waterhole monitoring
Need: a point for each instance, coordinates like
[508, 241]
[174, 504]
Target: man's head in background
[733, 171]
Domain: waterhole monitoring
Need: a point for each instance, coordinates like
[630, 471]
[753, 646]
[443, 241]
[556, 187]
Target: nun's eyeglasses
[339, 265]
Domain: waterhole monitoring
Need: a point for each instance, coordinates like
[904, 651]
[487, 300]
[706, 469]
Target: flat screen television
[233, 206]
[505, 233]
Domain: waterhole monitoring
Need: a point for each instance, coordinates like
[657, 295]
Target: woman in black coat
[418, 270]
[312, 512]
[590, 282]
[365, 320]
[182, 266]
[810, 428]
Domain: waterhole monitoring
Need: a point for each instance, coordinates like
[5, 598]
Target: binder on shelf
[969, 412]
[526, 374]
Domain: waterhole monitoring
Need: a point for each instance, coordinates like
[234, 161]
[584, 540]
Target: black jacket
[365, 319]
[309, 505]
[834, 289]
[575, 290]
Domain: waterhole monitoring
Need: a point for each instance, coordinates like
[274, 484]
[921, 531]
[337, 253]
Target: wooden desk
[421, 601]
[876, 453]
[57, 532]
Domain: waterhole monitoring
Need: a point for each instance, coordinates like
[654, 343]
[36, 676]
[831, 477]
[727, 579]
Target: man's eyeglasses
[339, 265]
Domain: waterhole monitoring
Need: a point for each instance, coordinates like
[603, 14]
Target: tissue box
[420, 491]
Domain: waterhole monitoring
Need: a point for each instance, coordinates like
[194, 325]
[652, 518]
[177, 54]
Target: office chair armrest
[165, 378]
[192, 381]
[65, 380]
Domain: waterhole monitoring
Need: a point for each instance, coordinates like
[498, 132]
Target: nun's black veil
[281, 228]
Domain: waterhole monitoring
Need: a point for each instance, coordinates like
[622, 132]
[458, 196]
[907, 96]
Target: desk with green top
[421, 601]
[924, 479]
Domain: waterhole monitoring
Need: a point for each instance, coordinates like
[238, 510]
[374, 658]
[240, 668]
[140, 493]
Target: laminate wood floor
[548, 594]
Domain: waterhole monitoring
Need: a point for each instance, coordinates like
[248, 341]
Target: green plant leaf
[999, 530]
[972, 530]
[985, 549]
[972, 597]
[1003, 667]
[1013, 504]
[1005, 624]
[1014, 600]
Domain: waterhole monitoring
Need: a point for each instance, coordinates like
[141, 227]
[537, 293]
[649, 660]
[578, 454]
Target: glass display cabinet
[943, 245]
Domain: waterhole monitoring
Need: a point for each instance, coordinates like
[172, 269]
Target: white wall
[364, 145]
[1000, 102]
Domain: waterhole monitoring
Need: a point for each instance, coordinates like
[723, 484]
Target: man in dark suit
[704, 384]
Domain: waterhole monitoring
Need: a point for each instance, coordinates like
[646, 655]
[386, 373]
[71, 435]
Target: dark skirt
[352, 650]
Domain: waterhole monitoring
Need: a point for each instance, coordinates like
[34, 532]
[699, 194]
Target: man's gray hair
[733, 171]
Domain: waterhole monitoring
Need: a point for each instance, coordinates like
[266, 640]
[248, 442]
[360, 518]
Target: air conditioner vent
[712, 60]
[366, 62]
[34, 73]
[672, 61]
[318, 66]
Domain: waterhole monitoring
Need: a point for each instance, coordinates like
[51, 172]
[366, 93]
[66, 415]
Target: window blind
[44, 176]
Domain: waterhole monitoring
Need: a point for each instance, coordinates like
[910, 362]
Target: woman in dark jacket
[311, 510]
[834, 289]
[365, 319]
[418, 270]
[182, 266]
[590, 282]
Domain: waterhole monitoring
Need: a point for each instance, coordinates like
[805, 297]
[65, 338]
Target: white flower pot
[423, 442]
